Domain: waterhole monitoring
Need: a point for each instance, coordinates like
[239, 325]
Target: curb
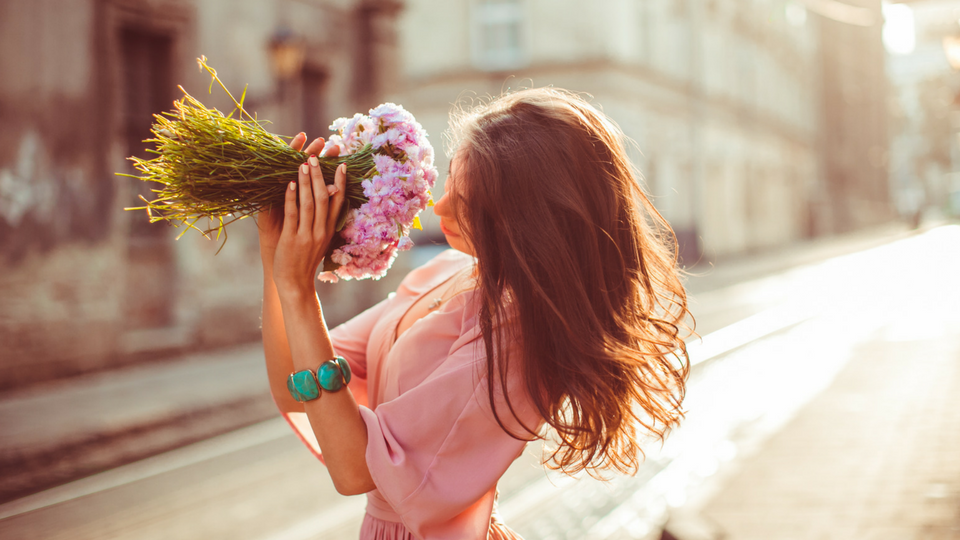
[26, 474]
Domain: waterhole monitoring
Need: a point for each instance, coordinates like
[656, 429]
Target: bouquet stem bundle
[225, 168]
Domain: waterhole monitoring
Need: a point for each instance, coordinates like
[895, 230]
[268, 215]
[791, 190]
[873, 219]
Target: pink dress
[434, 449]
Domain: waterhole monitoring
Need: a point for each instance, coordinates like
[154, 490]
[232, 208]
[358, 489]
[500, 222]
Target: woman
[559, 304]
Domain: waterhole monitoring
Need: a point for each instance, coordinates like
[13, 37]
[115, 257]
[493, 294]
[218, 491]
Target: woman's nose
[440, 205]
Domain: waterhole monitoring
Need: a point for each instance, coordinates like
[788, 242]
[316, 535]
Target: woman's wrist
[305, 327]
[291, 290]
[267, 254]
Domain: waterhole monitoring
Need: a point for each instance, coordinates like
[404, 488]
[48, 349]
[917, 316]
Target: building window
[498, 34]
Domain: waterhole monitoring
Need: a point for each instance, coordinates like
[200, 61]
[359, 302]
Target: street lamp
[286, 54]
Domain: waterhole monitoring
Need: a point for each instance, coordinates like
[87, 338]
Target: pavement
[57, 432]
[874, 453]
[69, 429]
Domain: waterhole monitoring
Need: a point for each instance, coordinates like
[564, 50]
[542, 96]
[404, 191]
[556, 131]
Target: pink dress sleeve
[436, 452]
[349, 341]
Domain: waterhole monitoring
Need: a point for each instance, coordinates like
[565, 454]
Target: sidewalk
[68, 429]
[876, 454]
[740, 268]
[65, 430]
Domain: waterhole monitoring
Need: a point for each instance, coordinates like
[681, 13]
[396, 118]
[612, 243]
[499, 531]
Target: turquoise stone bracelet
[303, 386]
[331, 375]
[345, 368]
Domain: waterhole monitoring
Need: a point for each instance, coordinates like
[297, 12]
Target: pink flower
[390, 113]
[396, 192]
[328, 277]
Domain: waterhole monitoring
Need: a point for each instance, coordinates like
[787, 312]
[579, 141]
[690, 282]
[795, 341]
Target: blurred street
[824, 403]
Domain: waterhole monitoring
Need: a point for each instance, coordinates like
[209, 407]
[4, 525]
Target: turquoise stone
[303, 386]
[345, 368]
[330, 376]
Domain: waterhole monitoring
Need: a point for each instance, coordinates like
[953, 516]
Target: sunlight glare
[899, 36]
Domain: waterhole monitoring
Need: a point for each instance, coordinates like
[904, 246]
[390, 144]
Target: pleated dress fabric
[434, 448]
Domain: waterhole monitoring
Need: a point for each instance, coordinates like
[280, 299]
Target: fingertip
[290, 198]
[290, 209]
[298, 140]
[315, 146]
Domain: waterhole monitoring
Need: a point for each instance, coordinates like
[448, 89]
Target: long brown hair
[577, 269]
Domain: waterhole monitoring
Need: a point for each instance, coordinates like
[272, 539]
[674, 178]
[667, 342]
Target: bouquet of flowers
[224, 168]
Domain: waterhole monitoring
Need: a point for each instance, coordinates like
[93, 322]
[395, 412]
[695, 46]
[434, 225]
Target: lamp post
[287, 52]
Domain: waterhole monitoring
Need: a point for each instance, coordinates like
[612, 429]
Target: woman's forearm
[334, 416]
[295, 337]
[275, 347]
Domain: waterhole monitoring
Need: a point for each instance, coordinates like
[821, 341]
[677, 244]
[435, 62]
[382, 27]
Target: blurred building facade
[925, 119]
[759, 122]
[85, 285]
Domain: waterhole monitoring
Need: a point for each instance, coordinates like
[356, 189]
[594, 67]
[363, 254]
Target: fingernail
[304, 169]
[343, 167]
[293, 186]
[313, 161]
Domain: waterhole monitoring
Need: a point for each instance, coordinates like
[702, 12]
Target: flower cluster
[397, 189]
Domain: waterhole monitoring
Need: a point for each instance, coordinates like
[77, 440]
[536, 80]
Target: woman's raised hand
[296, 238]
[270, 221]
